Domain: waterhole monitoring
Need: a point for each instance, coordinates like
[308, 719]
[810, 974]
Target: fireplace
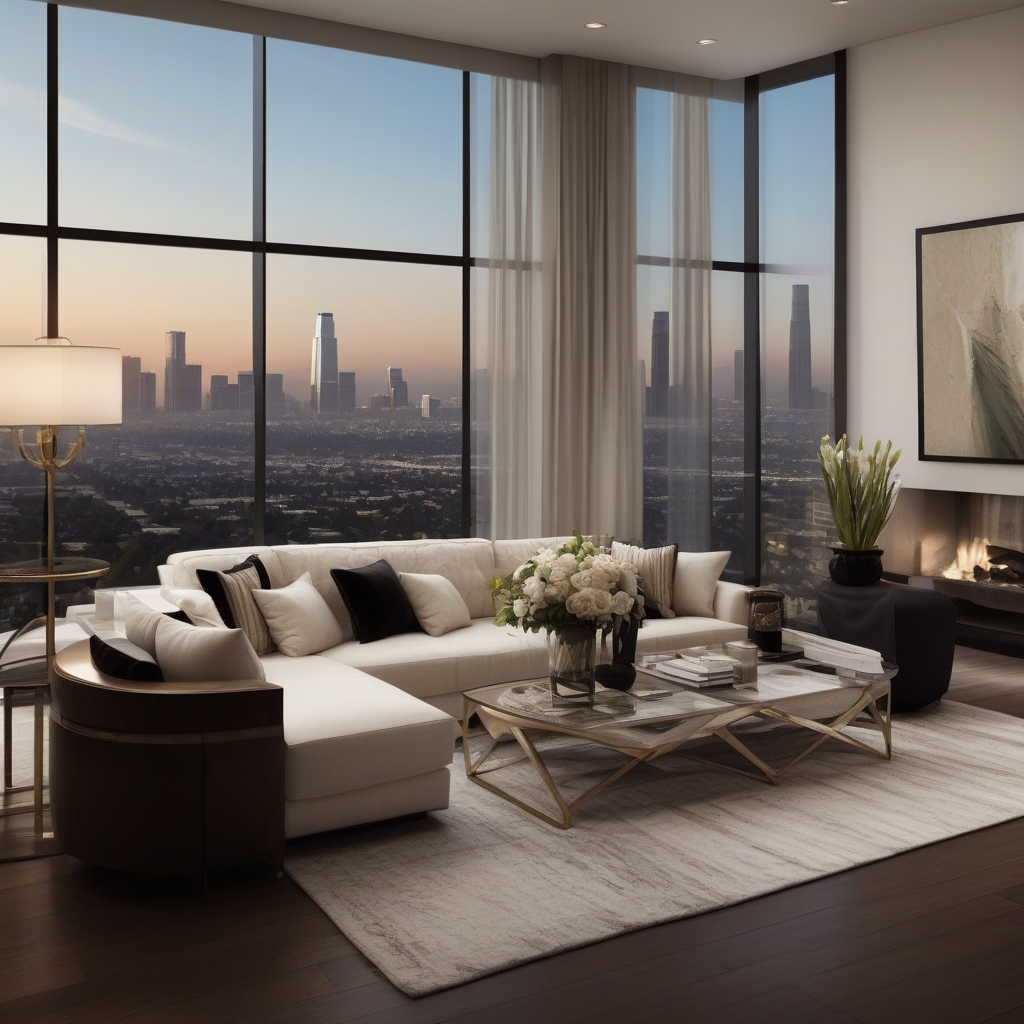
[969, 547]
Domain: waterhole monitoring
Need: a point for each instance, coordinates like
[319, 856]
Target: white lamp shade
[55, 385]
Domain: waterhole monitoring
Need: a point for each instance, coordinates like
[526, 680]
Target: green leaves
[861, 489]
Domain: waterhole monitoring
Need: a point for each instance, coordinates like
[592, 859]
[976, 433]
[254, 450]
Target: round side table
[35, 673]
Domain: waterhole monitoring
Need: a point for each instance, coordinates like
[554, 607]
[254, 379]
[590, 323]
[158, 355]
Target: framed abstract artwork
[970, 341]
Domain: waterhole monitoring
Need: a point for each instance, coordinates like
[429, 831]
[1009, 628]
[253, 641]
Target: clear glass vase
[571, 663]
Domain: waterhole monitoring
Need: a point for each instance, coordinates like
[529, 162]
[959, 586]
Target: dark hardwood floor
[934, 935]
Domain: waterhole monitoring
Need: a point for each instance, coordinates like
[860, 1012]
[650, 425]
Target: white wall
[936, 136]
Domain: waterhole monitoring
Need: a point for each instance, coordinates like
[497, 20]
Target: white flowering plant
[861, 487]
[570, 591]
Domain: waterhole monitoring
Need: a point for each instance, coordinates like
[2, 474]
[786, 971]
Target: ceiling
[753, 35]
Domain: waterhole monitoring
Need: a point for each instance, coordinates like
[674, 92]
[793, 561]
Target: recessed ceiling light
[595, 24]
[840, 3]
[706, 42]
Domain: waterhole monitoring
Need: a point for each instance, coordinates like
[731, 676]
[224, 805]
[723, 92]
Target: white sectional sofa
[369, 727]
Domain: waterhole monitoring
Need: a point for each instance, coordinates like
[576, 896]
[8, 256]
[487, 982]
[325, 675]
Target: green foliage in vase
[861, 489]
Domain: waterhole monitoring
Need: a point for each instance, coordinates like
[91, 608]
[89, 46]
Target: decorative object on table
[970, 291]
[862, 492]
[745, 652]
[766, 612]
[570, 593]
[47, 385]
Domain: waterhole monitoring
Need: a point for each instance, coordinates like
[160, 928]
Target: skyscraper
[346, 391]
[658, 405]
[191, 397]
[800, 396]
[245, 393]
[223, 396]
[131, 369]
[429, 407]
[174, 369]
[737, 375]
[323, 378]
[147, 392]
[275, 396]
[397, 388]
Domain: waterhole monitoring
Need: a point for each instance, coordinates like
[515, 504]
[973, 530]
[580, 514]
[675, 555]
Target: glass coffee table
[658, 717]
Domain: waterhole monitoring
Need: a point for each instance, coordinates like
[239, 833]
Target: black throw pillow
[121, 659]
[210, 582]
[376, 602]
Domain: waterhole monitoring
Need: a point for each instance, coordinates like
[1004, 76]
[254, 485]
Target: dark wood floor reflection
[933, 935]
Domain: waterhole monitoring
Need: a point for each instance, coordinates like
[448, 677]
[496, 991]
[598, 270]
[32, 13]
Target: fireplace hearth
[969, 547]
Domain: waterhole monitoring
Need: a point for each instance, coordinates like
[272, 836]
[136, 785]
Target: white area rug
[484, 886]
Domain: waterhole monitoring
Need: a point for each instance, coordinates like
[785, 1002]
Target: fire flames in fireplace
[983, 562]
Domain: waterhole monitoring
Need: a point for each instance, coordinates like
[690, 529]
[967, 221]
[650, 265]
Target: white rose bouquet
[570, 592]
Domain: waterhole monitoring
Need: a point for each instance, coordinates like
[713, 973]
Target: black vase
[856, 568]
[621, 674]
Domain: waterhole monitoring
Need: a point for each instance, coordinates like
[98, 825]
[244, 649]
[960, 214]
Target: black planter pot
[856, 568]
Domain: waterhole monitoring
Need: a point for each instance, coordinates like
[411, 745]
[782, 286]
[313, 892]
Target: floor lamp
[54, 382]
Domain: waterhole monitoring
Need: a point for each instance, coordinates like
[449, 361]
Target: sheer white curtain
[689, 438]
[558, 404]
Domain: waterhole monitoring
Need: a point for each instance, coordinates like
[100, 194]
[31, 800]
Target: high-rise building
[820, 398]
[346, 391]
[738, 379]
[378, 403]
[275, 396]
[398, 389]
[658, 404]
[800, 396]
[174, 369]
[147, 392]
[131, 369]
[429, 407]
[323, 378]
[245, 393]
[223, 396]
[190, 398]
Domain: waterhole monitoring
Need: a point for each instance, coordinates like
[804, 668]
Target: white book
[835, 652]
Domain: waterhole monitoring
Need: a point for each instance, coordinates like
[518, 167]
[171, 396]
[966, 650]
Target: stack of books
[698, 670]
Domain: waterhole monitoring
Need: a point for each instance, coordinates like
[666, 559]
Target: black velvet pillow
[375, 601]
[121, 659]
[210, 582]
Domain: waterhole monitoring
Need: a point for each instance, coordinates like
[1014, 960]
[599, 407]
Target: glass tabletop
[648, 702]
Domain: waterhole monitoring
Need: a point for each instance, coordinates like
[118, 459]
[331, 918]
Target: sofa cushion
[696, 577]
[193, 654]
[427, 666]
[231, 591]
[298, 618]
[118, 657]
[437, 605]
[376, 602]
[345, 730]
[467, 562]
[656, 566]
[510, 554]
[196, 604]
[658, 636]
[183, 564]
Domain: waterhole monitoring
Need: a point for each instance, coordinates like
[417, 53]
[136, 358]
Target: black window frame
[53, 231]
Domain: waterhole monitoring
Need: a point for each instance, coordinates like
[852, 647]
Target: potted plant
[862, 492]
[569, 593]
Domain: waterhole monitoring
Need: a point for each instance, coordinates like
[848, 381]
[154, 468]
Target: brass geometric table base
[504, 724]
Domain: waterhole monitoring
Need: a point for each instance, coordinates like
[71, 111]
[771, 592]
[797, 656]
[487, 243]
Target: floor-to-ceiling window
[273, 233]
[774, 350]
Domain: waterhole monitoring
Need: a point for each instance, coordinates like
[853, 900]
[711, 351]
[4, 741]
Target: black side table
[914, 628]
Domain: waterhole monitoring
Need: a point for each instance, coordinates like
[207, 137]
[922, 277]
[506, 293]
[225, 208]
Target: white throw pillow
[140, 622]
[437, 605]
[299, 619]
[192, 654]
[196, 604]
[696, 578]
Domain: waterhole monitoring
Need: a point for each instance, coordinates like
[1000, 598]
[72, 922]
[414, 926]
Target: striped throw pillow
[238, 586]
[657, 568]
